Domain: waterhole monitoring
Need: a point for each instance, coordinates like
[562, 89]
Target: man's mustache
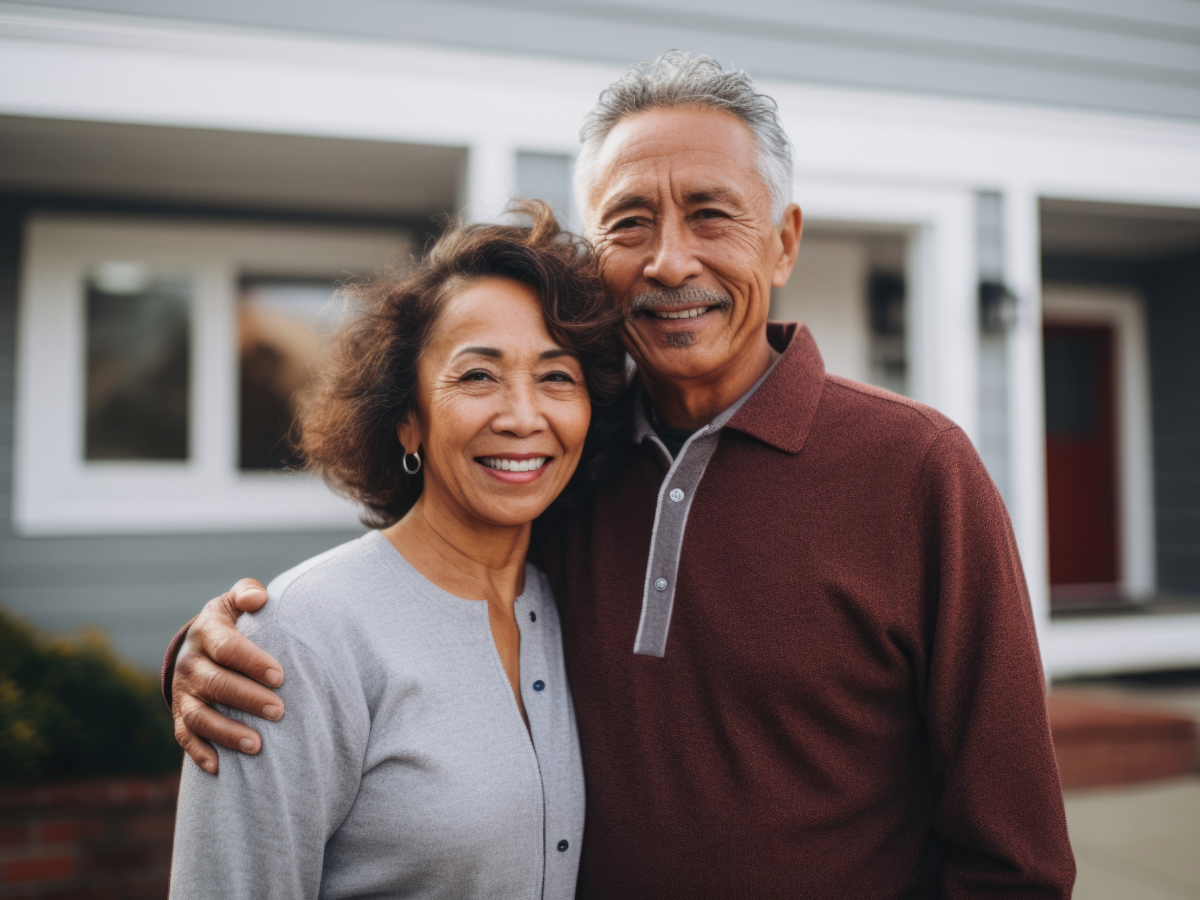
[681, 296]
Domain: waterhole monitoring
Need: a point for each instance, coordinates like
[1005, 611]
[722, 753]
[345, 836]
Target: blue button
[562, 846]
[539, 685]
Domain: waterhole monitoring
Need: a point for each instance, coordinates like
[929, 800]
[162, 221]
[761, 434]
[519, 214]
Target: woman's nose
[522, 414]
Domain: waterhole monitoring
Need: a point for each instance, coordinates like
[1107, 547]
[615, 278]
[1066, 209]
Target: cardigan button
[676, 495]
[661, 584]
[562, 846]
[539, 685]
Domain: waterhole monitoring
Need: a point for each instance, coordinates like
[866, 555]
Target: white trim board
[1123, 310]
[1102, 646]
[55, 490]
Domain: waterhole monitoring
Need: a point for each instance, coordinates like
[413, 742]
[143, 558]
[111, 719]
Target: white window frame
[55, 490]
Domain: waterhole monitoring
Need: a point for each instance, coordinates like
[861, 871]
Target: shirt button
[661, 584]
[676, 495]
[562, 846]
[539, 685]
[532, 616]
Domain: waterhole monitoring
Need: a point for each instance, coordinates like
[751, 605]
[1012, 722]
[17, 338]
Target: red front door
[1081, 458]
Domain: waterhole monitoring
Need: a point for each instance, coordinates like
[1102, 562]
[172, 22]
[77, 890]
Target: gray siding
[1173, 311]
[138, 589]
[1132, 55]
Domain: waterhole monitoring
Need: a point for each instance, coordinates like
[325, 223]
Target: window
[137, 364]
[158, 367]
[281, 326]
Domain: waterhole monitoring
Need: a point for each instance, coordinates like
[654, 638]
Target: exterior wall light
[997, 307]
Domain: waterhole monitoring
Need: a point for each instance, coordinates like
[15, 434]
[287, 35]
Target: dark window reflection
[282, 323]
[138, 361]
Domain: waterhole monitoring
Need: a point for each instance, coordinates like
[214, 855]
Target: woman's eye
[560, 378]
[477, 375]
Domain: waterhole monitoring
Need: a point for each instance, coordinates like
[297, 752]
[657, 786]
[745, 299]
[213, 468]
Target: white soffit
[218, 167]
[1118, 230]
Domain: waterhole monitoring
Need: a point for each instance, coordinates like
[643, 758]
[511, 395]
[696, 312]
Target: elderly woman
[429, 746]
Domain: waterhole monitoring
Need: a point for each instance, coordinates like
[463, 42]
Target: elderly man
[796, 626]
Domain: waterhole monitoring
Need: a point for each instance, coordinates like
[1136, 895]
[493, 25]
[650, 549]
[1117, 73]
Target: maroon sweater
[851, 702]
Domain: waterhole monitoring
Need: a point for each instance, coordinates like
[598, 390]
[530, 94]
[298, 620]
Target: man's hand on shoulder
[218, 664]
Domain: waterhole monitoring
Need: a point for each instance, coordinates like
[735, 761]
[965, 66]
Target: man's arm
[209, 661]
[999, 814]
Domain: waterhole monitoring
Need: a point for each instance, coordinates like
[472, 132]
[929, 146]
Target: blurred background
[1002, 219]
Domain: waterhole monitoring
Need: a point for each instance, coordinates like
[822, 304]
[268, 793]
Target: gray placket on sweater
[670, 518]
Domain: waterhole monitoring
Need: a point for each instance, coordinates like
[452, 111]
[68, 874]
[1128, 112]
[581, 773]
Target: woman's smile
[515, 468]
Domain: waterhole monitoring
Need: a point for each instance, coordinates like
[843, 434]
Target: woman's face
[501, 409]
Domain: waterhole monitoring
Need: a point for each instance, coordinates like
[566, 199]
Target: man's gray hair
[678, 79]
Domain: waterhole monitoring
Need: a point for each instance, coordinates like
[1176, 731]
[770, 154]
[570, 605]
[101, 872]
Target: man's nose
[674, 259]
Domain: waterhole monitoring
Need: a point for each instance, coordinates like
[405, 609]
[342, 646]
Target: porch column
[491, 180]
[943, 318]
[1027, 423]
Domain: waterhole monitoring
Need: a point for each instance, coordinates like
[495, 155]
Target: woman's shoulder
[332, 588]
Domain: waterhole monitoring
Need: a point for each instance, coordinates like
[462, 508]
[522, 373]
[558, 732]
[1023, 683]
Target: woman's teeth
[514, 465]
[680, 314]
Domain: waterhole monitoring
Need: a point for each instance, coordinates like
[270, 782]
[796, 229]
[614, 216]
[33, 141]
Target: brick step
[1103, 740]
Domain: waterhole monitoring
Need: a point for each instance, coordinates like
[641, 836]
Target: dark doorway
[1081, 462]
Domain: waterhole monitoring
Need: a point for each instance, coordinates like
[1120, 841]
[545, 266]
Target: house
[1002, 207]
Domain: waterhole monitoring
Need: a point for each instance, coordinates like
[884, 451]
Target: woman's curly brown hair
[346, 426]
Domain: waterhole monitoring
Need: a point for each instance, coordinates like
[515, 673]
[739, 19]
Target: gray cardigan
[402, 767]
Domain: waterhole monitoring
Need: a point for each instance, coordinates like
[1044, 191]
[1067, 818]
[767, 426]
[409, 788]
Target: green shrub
[70, 708]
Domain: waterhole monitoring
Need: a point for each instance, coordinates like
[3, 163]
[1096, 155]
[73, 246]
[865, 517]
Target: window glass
[283, 324]
[138, 362]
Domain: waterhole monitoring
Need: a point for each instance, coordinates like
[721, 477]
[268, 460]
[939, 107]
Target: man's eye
[631, 222]
[711, 214]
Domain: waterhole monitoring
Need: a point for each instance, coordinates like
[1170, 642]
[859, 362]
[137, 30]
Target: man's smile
[690, 313]
[677, 304]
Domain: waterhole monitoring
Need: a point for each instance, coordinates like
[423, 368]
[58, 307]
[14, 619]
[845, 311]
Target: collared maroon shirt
[850, 701]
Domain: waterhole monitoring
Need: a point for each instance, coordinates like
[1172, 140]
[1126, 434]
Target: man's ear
[789, 238]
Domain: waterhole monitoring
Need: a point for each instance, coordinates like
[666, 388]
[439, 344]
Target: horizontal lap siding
[1174, 319]
[1122, 54]
[139, 589]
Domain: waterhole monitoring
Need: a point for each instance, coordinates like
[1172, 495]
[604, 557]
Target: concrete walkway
[1137, 843]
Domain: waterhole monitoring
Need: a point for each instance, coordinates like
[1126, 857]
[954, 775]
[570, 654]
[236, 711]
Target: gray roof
[1138, 56]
